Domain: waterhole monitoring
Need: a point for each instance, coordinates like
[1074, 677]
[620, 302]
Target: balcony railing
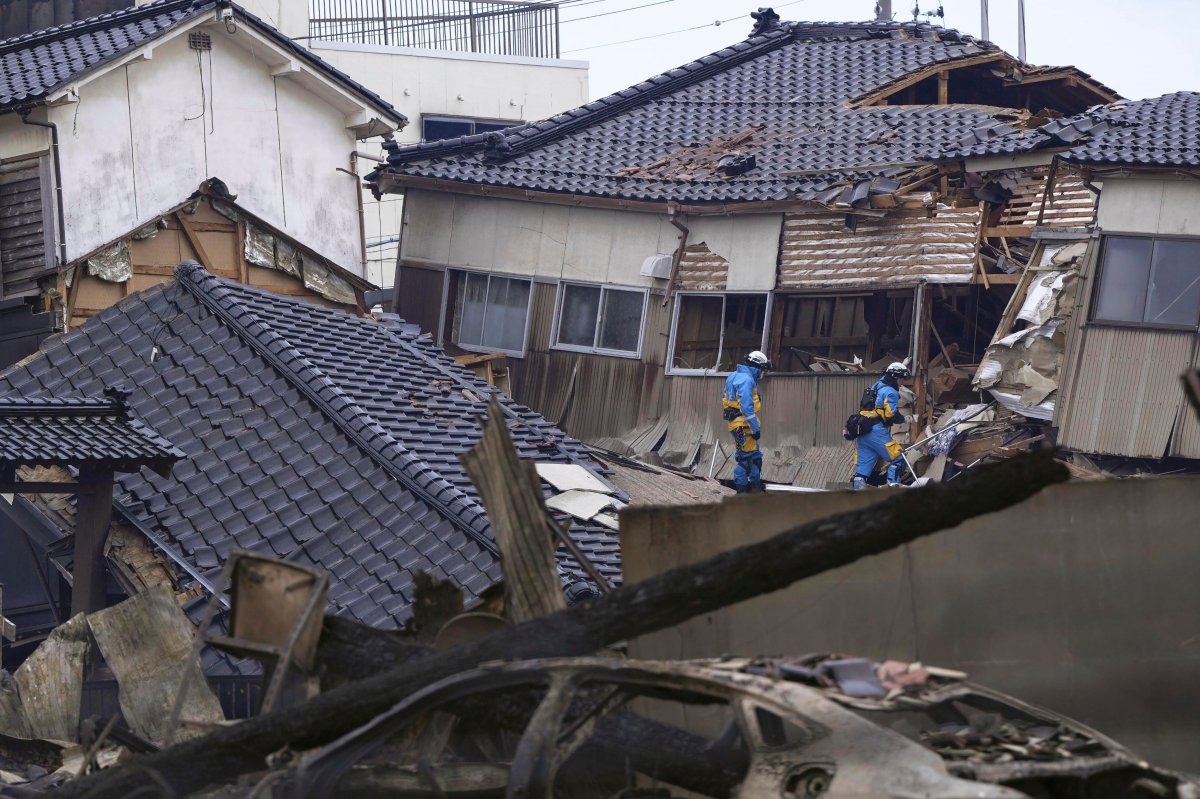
[497, 27]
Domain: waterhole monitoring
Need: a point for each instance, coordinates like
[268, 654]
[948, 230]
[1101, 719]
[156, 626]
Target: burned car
[790, 728]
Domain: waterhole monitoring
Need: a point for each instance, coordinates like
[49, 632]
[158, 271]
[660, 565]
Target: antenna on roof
[1021, 30]
[983, 23]
[883, 11]
[940, 13]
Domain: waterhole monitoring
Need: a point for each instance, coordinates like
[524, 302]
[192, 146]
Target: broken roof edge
[354, 422]
[208, 190]
[193, 11]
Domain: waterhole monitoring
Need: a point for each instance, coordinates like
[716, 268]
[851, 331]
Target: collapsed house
[1105, 320]
[781, 195]
[107, 124]
[307, 434]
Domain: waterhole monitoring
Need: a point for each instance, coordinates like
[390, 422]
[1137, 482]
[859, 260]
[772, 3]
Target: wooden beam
[943, 87]
[1000, 279]
[92, 518]
[194, 240]
[243, 267]
[917, 77]
[1008, 232]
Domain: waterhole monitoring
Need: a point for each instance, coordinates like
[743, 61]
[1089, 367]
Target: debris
[112, 264]
[147, 643]
[50, 681]
[568, 476]
[655, 604]
[581, 504]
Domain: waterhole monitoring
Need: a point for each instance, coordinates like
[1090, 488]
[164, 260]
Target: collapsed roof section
[811, 112]
[307, 434]
[1158, 133]
[37, 66]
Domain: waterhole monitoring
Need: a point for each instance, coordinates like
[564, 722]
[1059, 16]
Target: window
[600, 319]
[434, 128]
[1149, 281]
[490, 312]
[715, 332]
[812, 329]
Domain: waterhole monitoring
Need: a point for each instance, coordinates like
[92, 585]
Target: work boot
[742, 489]
[758, 487]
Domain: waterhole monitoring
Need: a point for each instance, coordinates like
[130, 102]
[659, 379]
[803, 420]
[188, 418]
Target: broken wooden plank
[12, 716]
[147, 643]
[50, 681]
[512, 496]
[655, 604]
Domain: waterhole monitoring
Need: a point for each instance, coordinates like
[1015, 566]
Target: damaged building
[1106, 320]
[783, 194]
[303, 433]
[108, 125]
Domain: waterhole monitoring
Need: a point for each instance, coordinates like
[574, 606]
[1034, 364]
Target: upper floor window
[715, 332]
[1149, 281]
[434, 128]
[489, 312]
[600, 319]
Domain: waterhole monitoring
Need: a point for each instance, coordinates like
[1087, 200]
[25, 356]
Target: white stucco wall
[142, 137]
[749, 242]
[529, 238]
[1165, 206]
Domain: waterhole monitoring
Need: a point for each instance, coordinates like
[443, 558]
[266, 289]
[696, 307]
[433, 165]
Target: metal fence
[498, 27]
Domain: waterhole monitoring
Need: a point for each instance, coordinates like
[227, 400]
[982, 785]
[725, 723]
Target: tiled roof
[782, 95]
[79, 432]
[1161, 131]
[307, 434]
[36, 64]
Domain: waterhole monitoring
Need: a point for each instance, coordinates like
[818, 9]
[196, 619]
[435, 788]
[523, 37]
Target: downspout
[672, 214]
[362, 215]
[58, 190]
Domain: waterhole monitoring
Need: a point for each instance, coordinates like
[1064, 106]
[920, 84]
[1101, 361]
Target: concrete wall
[1082, 599]
[142, 137]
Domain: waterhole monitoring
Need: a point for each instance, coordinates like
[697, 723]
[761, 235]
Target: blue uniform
[878, 444]
[742, 405]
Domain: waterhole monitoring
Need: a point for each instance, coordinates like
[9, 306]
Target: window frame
[504, 123]
[447, 300]
[714, 372]
[1098, 279]
[560, 292]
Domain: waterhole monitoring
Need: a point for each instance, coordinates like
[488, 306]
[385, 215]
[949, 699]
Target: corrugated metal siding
[838, 396]
[1126, 393]
[818, 251]
[701, 269]
[694, 420]
[22, 227]
[541, 319]
[1185, 442]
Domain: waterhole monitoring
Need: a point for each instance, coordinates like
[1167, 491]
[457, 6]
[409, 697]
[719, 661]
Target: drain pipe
[58, 190]
[672, 214]
[362, 215]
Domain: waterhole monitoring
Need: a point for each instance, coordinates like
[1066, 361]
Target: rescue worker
[877, 443]
[741, 406]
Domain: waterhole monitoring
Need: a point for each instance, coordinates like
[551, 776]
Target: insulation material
[322, 280]
[287, 258]
[1043, 410]
[904, 248]
[227, 211]
[1071, 204]
[701, 269]
[260, 247]
[1041, 301]
[112, 264]
[1025, 366]
[150, 230]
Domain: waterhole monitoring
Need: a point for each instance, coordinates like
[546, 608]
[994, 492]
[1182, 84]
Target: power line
[618, 11]
[715, 23]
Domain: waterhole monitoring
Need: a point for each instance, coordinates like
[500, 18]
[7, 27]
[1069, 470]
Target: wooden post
[944, 87]
[92, 517]
[921, 358]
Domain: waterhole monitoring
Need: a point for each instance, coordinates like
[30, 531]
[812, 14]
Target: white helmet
[898, 369]
[758, 360]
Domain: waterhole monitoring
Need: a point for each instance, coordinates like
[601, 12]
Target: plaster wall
[17, 138]
[1164, 206]
[142, 137]
[556, 242]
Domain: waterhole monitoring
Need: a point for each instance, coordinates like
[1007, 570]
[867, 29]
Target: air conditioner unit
[658, 266]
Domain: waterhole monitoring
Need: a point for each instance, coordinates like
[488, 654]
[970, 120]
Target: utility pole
[883, 11]
[983, 25]
[1021, 30]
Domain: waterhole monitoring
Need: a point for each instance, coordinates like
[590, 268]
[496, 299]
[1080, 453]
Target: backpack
[858, 425]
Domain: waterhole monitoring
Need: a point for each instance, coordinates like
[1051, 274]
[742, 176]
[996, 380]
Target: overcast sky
[1141, 48]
